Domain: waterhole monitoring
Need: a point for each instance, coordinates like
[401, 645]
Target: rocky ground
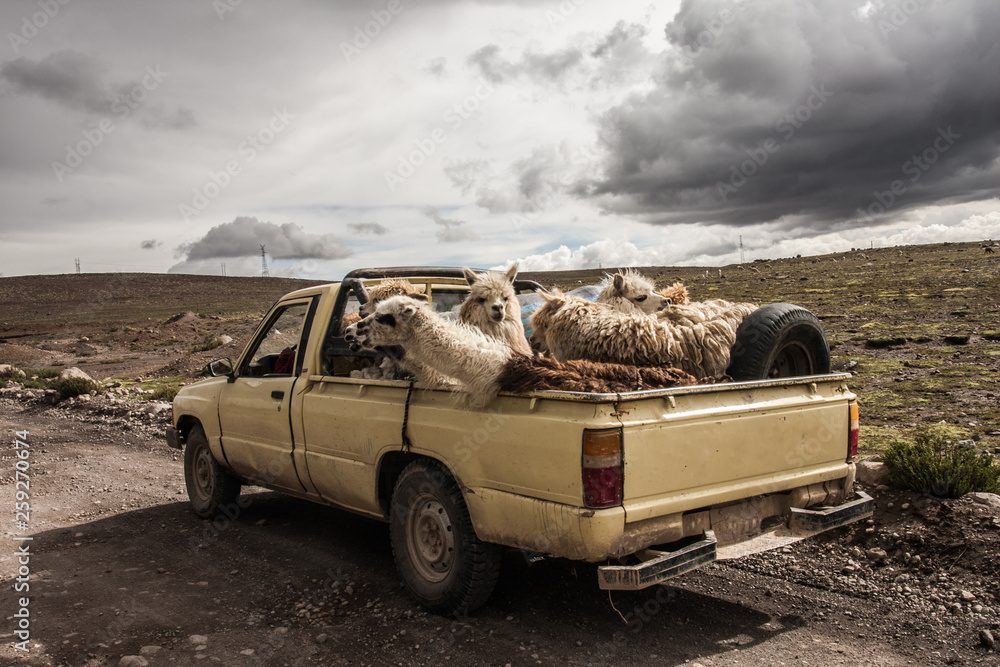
[121, 572]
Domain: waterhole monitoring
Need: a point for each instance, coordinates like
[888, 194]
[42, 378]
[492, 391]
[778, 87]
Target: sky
[181, 137]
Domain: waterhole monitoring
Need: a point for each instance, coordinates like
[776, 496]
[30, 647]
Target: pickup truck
[648, 484]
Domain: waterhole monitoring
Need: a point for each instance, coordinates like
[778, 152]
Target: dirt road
[120, 567]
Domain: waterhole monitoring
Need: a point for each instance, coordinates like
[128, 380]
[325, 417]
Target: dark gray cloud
[74, 80]
[807, 112]
[151, 244]
[363, 228]
[451, 231]
[243, 237]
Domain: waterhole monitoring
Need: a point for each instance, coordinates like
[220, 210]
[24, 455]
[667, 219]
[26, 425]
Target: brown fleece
[522, 373]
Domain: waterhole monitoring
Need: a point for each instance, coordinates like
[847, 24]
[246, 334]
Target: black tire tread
[768, 328]
[477, 576]
[227, 487]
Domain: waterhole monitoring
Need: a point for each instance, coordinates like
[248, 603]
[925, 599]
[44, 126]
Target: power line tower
[223, 269]
[263, 263]
[78, 265]
[741, 249]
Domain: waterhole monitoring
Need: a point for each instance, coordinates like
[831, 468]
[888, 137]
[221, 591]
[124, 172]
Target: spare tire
[779, 340]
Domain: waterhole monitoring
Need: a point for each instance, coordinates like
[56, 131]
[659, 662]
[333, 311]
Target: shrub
[941, 467]
[165, 392]
[75, 386]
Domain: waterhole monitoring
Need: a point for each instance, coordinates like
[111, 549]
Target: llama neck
[463, 353]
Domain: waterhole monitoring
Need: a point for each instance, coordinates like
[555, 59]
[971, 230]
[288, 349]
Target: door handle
[278, 394]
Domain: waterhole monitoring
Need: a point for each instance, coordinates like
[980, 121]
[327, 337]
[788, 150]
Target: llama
[493, 308]
[630, 291]
[485, 365]
[389, 368]
[572, 328]
[677, 293]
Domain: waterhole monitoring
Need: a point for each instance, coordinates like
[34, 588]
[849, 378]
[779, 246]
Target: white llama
[493, 308]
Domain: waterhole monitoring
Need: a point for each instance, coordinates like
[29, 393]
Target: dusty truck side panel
[709, 448]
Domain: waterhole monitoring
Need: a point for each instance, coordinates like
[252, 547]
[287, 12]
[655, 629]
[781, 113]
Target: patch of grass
[164, 393]
[70, 387]
[882, 342]
[937, 464]
[210, 343]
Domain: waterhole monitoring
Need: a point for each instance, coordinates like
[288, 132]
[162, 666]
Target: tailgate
[740, 440]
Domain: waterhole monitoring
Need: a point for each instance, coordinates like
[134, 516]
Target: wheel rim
[792, 360]
[202, 469]
[429, 538]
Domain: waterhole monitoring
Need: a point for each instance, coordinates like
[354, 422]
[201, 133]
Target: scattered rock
[150, 650]
[72, 372]
[10, 371]
[991, 499]
[197, 639]
[133, 661]
[968, 596]
[871, 472]
[224, 339]
[986, 639]
[877, 555]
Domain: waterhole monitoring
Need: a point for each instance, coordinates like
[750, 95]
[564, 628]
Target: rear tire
[444, 566]
[209, 485]
[780, 340]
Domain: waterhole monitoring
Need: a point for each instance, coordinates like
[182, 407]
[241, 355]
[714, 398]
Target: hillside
[919, 326]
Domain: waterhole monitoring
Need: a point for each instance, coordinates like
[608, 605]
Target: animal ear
[470, 275]
[512, 272]
[619, 282]
[386, 319]
[548, 296]
[419, 297]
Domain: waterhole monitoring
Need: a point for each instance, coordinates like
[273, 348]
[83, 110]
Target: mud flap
[658, 566]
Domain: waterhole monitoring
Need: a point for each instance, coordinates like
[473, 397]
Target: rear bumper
[657, 566]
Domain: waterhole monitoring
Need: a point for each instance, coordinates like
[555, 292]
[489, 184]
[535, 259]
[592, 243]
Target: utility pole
[263, 263]
[78, 265]
[223, 269]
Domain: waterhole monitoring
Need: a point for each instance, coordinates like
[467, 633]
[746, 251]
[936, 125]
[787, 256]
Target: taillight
[852, 435]
[602, 468]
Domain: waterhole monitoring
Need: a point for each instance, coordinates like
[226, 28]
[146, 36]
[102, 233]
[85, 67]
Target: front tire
[444, 566]
[780, 340]
[209, 485]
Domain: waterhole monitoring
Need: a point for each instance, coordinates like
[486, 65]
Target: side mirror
[221, 368]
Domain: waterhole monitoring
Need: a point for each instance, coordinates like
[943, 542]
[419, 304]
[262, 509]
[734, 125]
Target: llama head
[635, 288]
[388, 288]
[494, 293]
[551, 302]
[676, 293]
[389, 324]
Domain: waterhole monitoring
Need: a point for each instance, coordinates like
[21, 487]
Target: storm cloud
[243, 237]
[817, 113]
[363, 228]
[451, 231]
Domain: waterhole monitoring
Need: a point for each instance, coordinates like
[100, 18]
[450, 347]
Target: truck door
[254, 407]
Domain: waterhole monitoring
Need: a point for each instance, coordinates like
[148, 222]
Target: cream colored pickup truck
[649, 484]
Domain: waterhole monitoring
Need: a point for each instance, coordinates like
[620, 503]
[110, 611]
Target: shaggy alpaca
[677, 293]
[702, 312]
[492, 307]
[391, 369]
[485, 365]
[630, 291]
[572, 328]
